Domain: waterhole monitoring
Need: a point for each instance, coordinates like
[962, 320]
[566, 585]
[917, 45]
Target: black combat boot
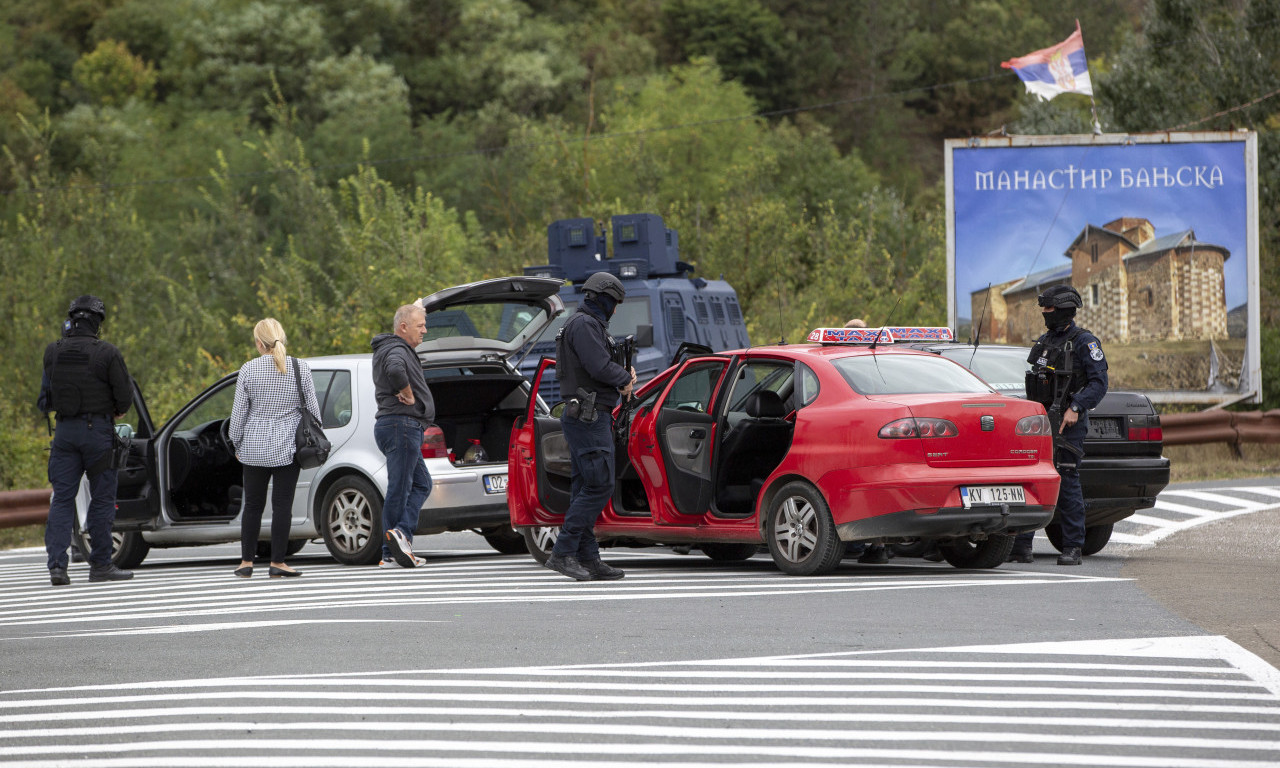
[602, 571]
[569, 566]
[1070, 556]
[108, 572]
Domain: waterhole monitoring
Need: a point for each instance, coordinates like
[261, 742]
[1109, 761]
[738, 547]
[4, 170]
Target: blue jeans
[408, 482]
[78, 443]
[1070, 496]
[591, 485]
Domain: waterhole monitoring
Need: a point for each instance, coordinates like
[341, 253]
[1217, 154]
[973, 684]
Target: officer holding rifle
[594, 373]
[1069, 377]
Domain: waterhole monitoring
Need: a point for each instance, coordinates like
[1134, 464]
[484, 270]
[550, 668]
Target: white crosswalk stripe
[1184, 702]
[1179, 509]
[160, 598]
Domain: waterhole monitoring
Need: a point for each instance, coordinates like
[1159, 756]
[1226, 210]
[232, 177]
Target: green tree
[110, 75]
[746, 39]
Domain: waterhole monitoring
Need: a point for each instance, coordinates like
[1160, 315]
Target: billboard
[1158, 233]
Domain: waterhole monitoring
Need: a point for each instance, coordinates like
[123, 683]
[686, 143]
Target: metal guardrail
[1215, 426]
[24, 507]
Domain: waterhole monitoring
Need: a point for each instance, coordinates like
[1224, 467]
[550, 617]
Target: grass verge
[1217, 461]
[22, 536]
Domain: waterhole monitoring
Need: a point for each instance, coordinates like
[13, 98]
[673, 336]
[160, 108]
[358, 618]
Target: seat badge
[988, 423]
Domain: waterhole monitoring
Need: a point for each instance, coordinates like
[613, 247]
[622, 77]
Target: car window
[902, 374]
[333, 390]
[807, 388]
[756, 376]
[214, 407]
[629, 314]
[502, 321]
[693, 389]
[1005, 369]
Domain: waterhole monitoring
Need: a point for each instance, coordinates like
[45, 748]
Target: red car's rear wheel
[801, 534]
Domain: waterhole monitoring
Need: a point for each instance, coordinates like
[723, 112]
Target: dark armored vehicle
[666, 304]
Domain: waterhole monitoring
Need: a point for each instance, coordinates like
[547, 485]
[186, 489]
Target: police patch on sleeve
[1095, 351]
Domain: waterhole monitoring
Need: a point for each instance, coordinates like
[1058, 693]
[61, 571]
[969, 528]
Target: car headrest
[764, 404]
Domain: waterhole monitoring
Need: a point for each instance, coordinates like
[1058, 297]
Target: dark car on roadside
[1123, 467]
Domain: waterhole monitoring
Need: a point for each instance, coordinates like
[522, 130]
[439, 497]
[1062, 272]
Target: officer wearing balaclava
[89, 388]
[592, 382]
[1068, 373]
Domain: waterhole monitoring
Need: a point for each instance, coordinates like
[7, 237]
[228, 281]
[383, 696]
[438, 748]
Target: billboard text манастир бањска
[1158, 233]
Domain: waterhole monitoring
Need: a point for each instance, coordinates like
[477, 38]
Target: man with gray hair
[405, 410]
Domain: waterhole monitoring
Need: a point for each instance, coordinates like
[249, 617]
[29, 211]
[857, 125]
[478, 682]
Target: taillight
[1032, 425]
[914, 427]
[1145, 429]
[433, 446]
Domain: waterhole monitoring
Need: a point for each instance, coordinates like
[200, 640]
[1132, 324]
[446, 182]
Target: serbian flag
[1059, 69]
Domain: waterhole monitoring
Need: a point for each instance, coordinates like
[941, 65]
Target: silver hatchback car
[182, 484]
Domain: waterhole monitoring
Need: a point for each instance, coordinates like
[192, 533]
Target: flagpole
[1093, 107]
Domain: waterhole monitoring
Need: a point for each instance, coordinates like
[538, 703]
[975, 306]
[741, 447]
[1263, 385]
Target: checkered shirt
[264, 419]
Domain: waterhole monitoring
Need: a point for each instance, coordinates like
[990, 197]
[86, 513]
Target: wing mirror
[644, 335]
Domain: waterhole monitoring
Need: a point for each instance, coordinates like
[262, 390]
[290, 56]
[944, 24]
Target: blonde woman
[264, 420]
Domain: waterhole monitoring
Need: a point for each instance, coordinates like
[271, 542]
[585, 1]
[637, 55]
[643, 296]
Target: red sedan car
[805, 447]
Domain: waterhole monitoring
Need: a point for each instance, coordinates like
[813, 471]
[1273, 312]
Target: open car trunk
[477, 405]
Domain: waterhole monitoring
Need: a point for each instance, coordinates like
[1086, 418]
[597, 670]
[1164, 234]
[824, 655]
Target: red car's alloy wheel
[801, 535]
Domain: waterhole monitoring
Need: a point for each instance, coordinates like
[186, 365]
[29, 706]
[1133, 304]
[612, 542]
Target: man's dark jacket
[586, 361]
[395, 364]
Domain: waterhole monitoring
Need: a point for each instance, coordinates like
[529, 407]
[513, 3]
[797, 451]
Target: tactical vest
[1050, 361]
[573, 374]
[74, 377]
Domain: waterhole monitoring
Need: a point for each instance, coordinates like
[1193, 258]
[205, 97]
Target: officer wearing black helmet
[591, 381]
[1069, 377]
[88, 387]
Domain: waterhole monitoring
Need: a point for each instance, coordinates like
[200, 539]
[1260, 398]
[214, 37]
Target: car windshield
[1002, 367]
[898, 374]
[630, 313]
[502, 321]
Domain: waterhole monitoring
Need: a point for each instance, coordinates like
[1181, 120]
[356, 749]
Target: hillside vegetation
[200, 164]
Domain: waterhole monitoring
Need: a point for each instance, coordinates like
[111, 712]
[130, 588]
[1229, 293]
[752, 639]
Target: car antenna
[777, 279]
[881, 331]
[977, 332]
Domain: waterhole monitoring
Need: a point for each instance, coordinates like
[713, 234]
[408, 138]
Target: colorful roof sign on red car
[886, 335]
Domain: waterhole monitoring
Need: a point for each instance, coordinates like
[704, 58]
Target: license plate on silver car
[495, 483]
[989, 495]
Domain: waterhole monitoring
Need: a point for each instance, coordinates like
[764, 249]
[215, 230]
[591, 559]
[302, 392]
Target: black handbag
[311, 446]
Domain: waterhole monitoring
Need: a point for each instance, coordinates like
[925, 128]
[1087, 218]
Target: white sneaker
[418, 563]
[401, 549]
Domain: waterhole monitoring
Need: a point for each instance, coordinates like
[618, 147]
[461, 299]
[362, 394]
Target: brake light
[1032, 425]
[914, 427]
[433, 446]
[1145, 429]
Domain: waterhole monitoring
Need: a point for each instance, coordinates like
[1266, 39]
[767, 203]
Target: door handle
[698, 434]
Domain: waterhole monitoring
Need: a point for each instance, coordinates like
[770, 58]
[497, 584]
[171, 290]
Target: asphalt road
[1140, 657]
[1223, 576]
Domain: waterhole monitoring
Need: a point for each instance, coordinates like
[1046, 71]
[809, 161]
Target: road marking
[1149, 526]
[155, 599]
[696, 713]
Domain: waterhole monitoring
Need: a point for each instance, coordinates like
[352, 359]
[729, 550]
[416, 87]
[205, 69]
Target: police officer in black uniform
[1069, 377]
[592, 380]
[88, 387]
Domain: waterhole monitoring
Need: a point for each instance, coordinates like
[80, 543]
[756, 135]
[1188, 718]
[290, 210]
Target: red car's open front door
[537, 464]
[672, 448]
